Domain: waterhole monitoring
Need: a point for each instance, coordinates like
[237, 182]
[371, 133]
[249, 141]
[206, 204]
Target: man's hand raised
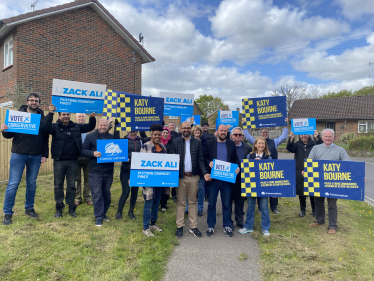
[51, 108]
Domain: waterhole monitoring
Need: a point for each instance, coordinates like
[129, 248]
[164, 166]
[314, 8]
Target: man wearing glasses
[27, 150]
[242, 150]
[272, 145]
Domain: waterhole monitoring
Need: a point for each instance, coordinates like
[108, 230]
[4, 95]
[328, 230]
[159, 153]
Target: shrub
[362, 143]
[345, 138]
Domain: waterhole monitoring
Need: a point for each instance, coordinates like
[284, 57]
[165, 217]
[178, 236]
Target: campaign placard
[154, 170]
[303, 126]
[177, 104]
[268, 178]
[228, 118]
[223, 171]
[196, 121]
[134, 112]
[113, 150]
[334, 179]
[22, 122]
[264, 112]
[78, 97]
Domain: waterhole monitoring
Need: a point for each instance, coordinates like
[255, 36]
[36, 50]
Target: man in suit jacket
[225, 150]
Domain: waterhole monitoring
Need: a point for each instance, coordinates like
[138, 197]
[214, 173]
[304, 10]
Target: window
[8, 51]
[366, 126]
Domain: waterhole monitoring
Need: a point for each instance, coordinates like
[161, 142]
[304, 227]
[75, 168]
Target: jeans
[124, 177]
[17, 165]
[273, 203]
[100, 185]
[150, 210]
[200, 196]
[62, 169]
[225, 189]
[83, 162]
[265, 217]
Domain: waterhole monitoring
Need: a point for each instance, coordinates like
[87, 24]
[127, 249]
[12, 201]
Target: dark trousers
[320, 211]
[124, 177]
[83, 163]
[64, 169]
[273, 203]
[302, 200]
[100, 190]
[236, 195]
[225, 189]
[164, 200]
[173, 192]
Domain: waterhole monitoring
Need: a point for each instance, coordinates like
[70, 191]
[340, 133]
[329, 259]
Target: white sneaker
[266, 233]
[155, 227]
[148, 233]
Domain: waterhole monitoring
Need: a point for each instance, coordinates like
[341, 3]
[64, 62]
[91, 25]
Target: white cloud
[356, 9]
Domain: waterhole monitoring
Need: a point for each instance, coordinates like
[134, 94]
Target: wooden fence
[6, 146]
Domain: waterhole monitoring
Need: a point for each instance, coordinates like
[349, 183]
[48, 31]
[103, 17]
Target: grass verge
[75, 249]
[296, 251]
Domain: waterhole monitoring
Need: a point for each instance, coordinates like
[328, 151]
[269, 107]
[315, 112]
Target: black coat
[197, 156]
[58, 132]
[89, 147]
[301, 151]
[133, 146]
[247, 148]
[211, 152]
[30, 144]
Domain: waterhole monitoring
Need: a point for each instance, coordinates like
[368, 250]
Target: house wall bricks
[77, 45]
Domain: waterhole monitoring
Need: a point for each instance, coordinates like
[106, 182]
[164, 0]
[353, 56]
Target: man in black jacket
[191, 162]
[205, 127]
[101, 174]
[221, 149]
[173, 133]
[66, 148]
[27, 150]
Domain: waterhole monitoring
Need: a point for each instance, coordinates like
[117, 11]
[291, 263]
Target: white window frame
[8, 58]
[363, 123]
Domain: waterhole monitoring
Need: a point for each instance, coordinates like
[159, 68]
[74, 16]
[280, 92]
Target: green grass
[296, 251]
[75, 249]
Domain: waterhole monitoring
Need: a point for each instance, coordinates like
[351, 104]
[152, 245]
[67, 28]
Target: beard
[186, 134]
[222, 137]
[32, 107]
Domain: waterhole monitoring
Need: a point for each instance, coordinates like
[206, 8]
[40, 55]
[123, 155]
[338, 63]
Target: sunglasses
[237, 135]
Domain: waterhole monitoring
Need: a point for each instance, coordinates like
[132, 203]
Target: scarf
[165, 141]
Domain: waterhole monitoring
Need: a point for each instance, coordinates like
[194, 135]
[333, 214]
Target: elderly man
[190, 151]
[272, 145]
[66, 148]
[225, 150]
[242, 150]
[101, 174]
[83, 163]
[327, 151]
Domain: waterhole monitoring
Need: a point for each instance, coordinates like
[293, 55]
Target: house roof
[7, 24]
[343, 108]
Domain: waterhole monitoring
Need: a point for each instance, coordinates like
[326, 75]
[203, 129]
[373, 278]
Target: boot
[72, 211]
[131, 215]
[302, 213]
[58, 212]
[119, 215]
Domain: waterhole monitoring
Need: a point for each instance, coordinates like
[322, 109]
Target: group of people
[74, 147]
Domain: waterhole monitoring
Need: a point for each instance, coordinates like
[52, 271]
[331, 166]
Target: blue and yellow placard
[268, 178]
[223, 171]
[303, 126]
[134, 112]
[334, 179]
[112, 150]
[22, 122]
[264, 112]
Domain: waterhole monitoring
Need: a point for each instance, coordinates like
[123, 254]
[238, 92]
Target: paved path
[213, 258]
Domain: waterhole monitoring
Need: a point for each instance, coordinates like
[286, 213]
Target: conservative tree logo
[112, 149]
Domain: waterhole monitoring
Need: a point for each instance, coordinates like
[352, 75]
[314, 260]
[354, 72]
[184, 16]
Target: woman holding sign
[260, 151]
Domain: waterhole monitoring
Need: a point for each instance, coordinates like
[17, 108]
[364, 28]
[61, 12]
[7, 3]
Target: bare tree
[313, 92]
[291, 93]
[18, 95]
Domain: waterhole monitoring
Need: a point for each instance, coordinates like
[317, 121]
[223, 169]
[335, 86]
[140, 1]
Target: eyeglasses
[36, 101]
[237, 135]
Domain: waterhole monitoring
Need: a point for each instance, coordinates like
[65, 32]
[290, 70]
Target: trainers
[7, 219]
[148, 233]
[245, 230]
[275, 211]
[179, 232]
[99, 222]
[266, 233]
[195, 232]
[105, 217]
[210, 231]
[31, 213]
[155, 227]
[200, 213]
[228, 231]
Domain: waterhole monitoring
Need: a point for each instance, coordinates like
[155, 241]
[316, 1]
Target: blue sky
[241, 48]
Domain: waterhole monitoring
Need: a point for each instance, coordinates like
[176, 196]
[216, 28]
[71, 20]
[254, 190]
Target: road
[369, 172]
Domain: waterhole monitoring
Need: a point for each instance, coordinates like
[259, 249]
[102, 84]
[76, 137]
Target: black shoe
[174, 198]
[195, 232]
[7, 219]
[302, 213]
[206, 198]
[314, 213]
[275, 211]
[99, 222]
[131, 215]
[240, 225]
[232, 228]
[58, 213]
[105, 217]
[186, 212]
[200, 213]
[72, 211]
[228, 231]
[210, 231]
[31, 213]
[119, 215]
[179, 232]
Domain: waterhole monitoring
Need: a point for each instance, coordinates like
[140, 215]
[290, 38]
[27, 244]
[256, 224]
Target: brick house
[78, 41]
[344, 114]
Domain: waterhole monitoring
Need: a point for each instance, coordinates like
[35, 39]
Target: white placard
[73, 89]
[177, 98]
[154, 161]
